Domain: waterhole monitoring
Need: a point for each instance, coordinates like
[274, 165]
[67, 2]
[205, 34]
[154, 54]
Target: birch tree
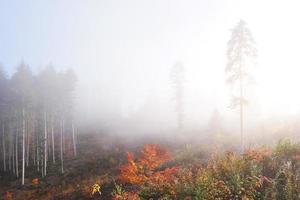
[3, 112]
[32, 108]
[68, 81]
[22, 86]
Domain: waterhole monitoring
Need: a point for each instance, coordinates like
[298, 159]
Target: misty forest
[140, 100]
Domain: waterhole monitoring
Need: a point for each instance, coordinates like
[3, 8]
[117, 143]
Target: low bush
[261, 173]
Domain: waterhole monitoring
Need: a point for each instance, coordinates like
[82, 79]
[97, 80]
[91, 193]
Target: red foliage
[164, 176]
[8, 196]
[143, 169]
[153, 156]
[258, 154]
[262, 180]
[35, 181]
[130, 171]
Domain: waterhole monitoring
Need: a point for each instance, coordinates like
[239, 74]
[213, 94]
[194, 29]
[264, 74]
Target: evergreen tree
[241, 52]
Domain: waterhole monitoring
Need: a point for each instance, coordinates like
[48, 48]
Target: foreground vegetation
[163, 171]
[261, 173]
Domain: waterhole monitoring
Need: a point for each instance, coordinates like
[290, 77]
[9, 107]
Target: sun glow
[277, 90]
[278, 43]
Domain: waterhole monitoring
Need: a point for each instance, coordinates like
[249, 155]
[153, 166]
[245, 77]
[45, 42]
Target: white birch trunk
[33, 153]
[45, 144]
[61, 146]
[33, 145]
[23, 146]
[37, 154]
[3, 146]
[27, 144]
[42, 163]
[13, 161]
[74, 140]
[53, 146]
[10, 147]
[16, 152]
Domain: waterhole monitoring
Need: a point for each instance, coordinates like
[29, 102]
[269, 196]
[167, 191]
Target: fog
[123, 52]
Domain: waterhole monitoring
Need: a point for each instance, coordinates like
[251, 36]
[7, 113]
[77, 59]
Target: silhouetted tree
[32, 108]
[67, 82]
[3, 111]
[241, 52]
[48, 88]
[22, 86]
[177, 81]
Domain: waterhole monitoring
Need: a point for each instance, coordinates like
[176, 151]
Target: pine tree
[241, 52]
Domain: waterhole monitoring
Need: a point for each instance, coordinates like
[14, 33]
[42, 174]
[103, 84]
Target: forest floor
[149, 168]
[98, 161]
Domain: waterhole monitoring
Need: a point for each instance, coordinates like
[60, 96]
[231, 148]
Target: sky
[122, 51]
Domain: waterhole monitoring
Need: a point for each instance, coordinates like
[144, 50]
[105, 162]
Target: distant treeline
[36, 119]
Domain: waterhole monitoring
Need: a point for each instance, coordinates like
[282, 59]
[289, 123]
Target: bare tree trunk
[13, 161]
[241, 107]
[10, 158]
[33, 153]
[48, 142]
[33, 144]
[177, 79]
[27, 144]
[42, 162]
[45, 144]
[37, 154]
[76, 136]
[61, 146]
[63, 140]
[180, 116]
[10, 147]
[3, 146]
[23, 146]
[180, 104]
[16, 152]
[74, 140]
[53, 146]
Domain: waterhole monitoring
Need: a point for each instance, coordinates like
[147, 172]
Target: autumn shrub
[190, 155]
[120, 194]
[287, 180]
[242, 174]
[161, 185]
[260, 173]
[230, 176]
[210, 188]
[186, 182]
[144, 168]
[146, 172]
[8, 196]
